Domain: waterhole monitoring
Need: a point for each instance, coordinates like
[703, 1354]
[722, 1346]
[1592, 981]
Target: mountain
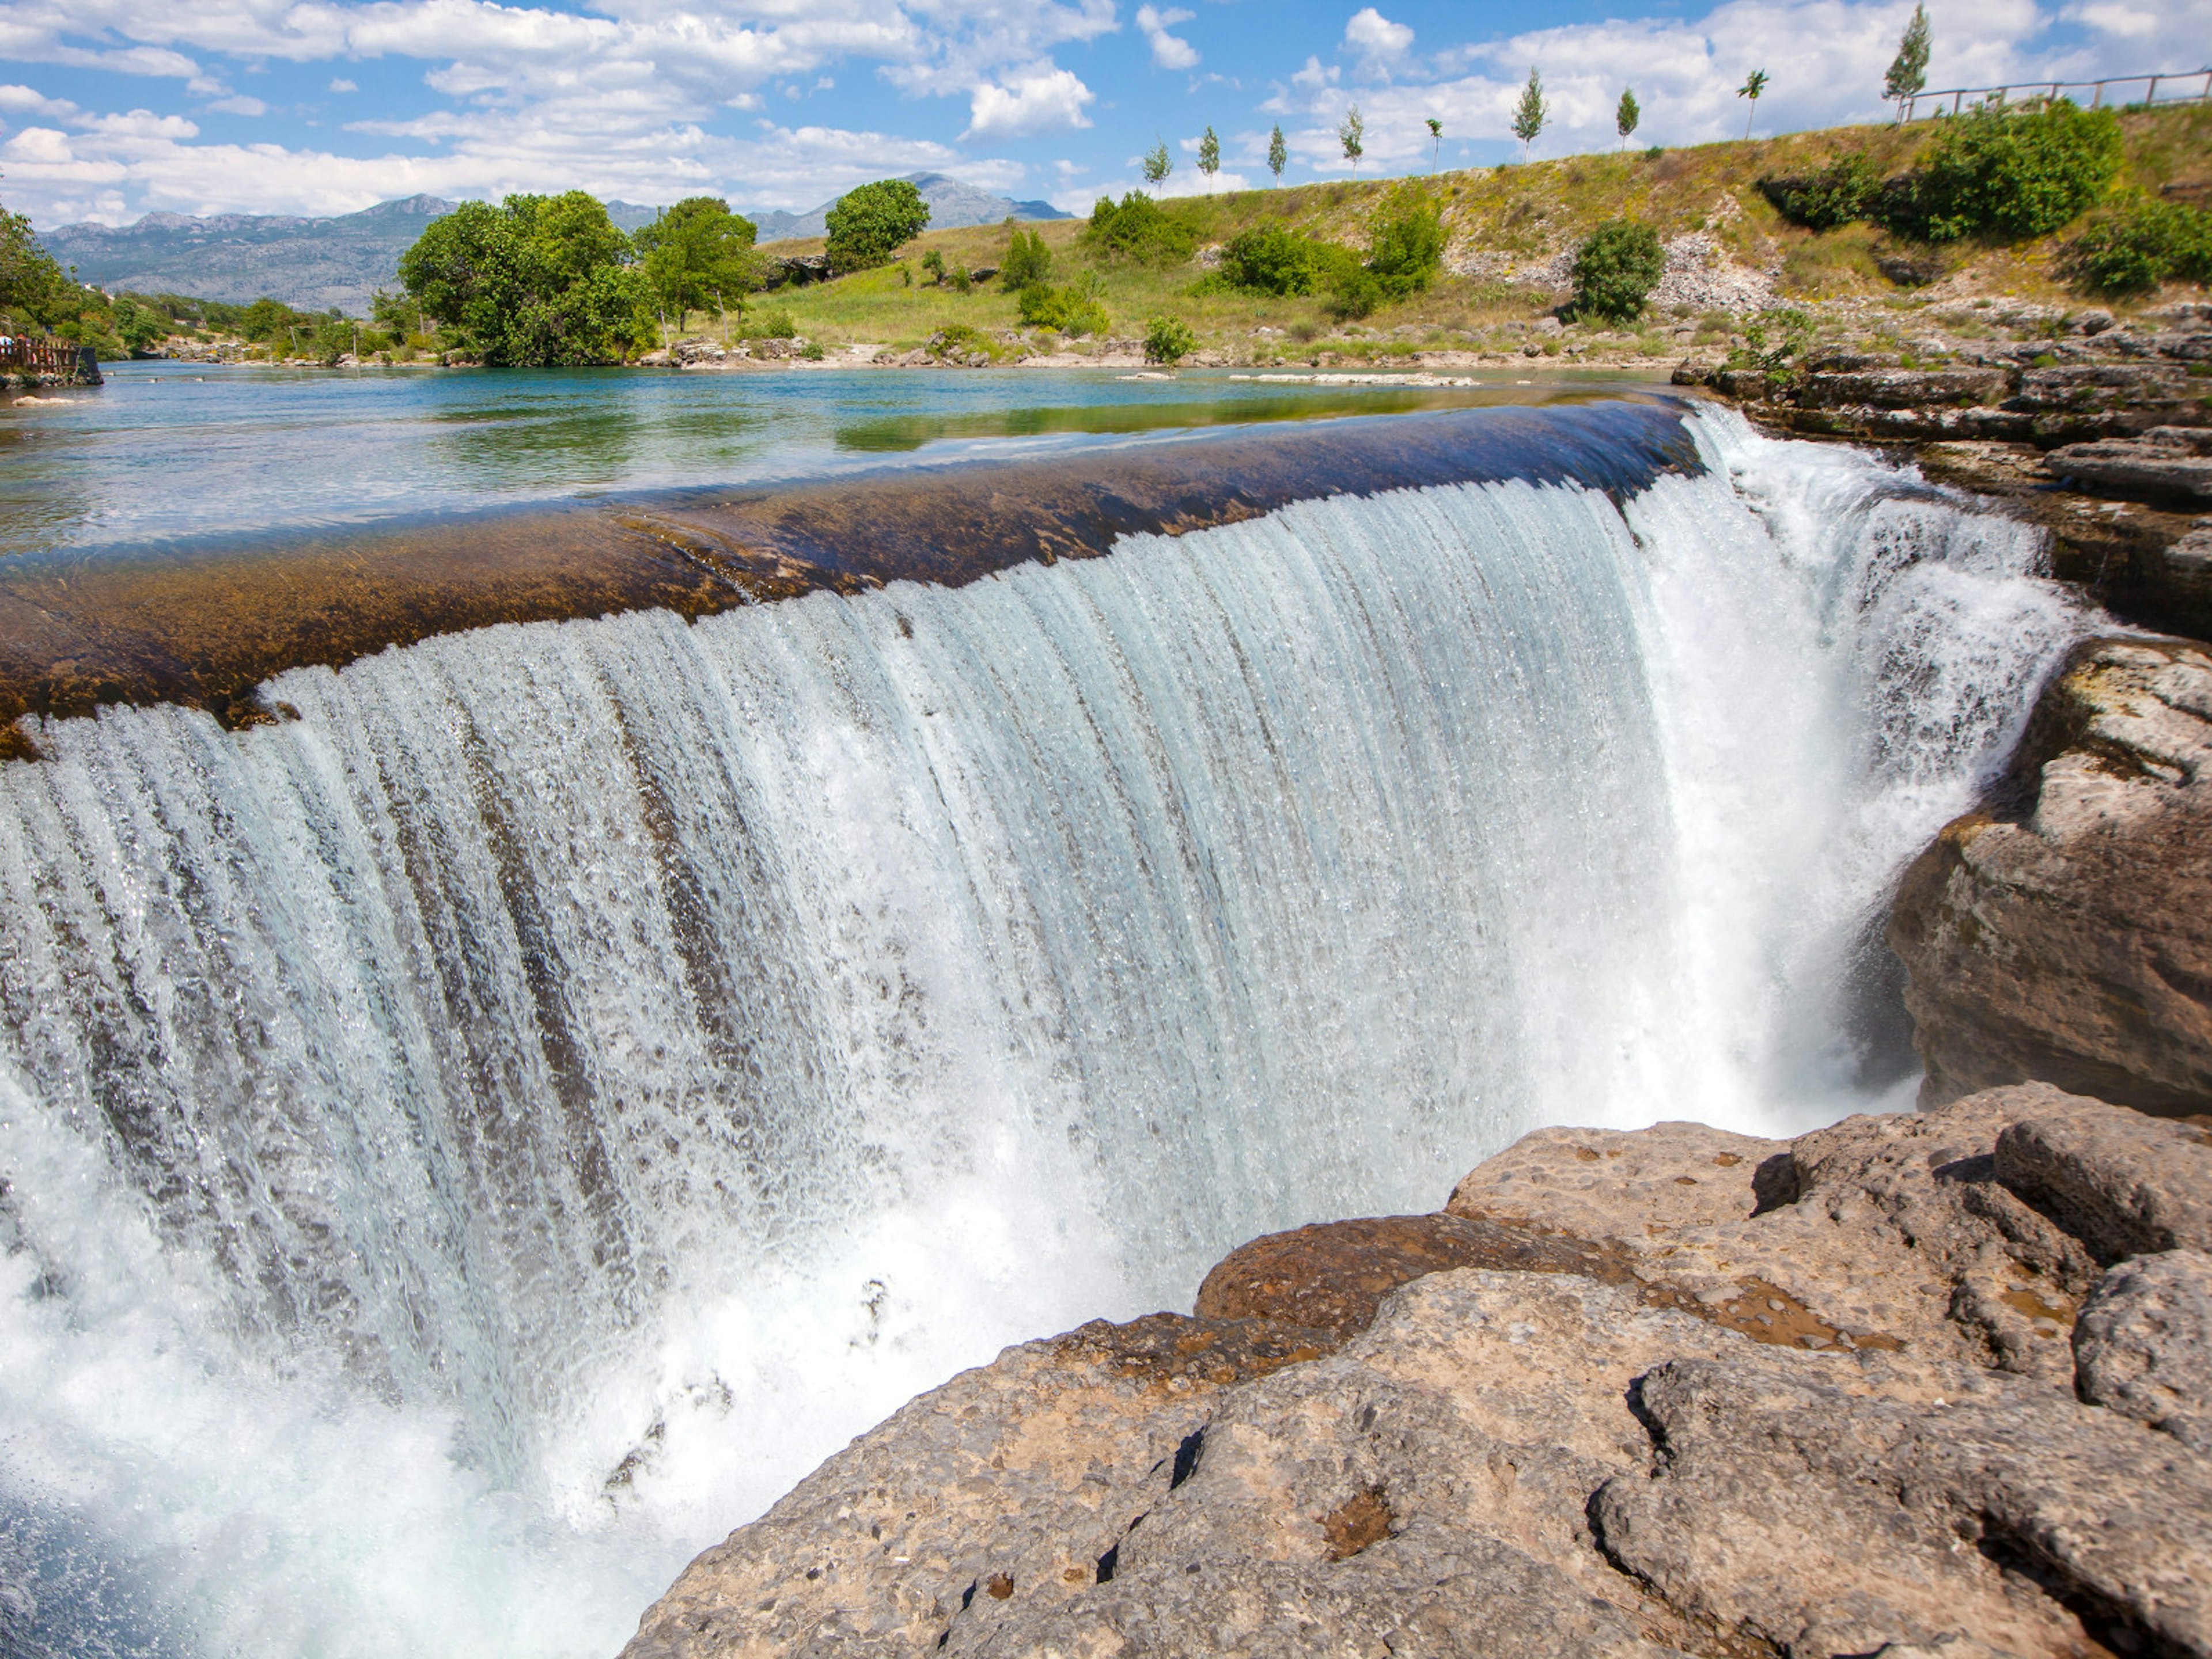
[952, 205]
[315, 264]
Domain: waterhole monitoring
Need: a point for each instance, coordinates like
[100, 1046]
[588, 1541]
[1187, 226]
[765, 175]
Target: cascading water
[469, 1145]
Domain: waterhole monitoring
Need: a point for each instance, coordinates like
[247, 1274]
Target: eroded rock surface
[2066, 934]
[1696, 1393]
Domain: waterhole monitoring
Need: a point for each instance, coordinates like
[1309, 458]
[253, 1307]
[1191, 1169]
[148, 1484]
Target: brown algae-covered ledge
[205, 623]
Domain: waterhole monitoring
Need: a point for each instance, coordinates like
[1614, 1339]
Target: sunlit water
[469, 1147]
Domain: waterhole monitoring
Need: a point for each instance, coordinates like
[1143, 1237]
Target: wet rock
[2166, 461]
[2064, 934]
[2144, 1345]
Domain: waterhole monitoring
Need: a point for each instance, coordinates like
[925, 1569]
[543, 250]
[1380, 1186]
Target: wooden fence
[40, 355]
[2188, 87]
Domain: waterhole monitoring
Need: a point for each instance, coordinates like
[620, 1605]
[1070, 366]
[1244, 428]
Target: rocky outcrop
[2172, 462]
[2065, 932]
[1673, 1392]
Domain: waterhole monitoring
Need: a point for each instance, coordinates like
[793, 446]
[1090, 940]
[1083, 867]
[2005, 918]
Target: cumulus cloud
[1169, 51]
[343, 85]
[1377, 40]
[1043, 99]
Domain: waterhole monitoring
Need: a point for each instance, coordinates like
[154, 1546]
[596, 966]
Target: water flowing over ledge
[469, 1145]
[205, 623]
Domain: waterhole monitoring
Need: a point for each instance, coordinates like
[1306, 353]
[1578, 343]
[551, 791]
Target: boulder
[2166, 461]
[1598, 1442]
[2064, 933]
[1901, 388]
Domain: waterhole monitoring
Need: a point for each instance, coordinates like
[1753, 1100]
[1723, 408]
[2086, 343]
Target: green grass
[1498, 218]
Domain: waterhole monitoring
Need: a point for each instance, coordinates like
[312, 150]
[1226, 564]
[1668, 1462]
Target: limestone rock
[2123, 1183]
[2065, 934]
[2143, 1344]
[2165, 460]
[1902, 388]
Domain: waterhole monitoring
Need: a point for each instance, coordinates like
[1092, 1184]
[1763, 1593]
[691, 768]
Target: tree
[698, 255]
[869, 224]
[1158, 165]
[1435, 143]
[1209, 158]
[1528, 114]
[1168, 341]
[1352, 135]
[1753, 84]
[1908, 70]
[1625, 118]
[1615, 270]
[535, 282]
[1406, 242]
[1278, 153]
[1028, 263]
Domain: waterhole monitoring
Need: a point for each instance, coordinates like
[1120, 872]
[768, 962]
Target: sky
[113, 108]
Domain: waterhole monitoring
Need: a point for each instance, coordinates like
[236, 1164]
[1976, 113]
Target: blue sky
[111, 108]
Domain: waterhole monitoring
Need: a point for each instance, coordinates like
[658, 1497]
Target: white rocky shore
[1918, 1384]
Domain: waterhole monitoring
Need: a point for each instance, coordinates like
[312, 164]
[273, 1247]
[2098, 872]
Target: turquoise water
[168, 450]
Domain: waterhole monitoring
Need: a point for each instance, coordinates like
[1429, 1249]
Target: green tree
[1167, 340]
[1435, 143]
[1269, 259]
[535, 282]
[1278, 153]
[1139, 229]
[1528, 114]
[1352, 133]
[698, 255]
[1908, 70]
[870, 224]
[1753, 84]
[1615, 270]
[1158, 165]
[1027, 261]
[1209, 158]
[1626, 117]
[2145, 243]
[2015, 173]
[1406, 243]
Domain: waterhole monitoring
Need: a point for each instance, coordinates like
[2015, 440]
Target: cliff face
[1931, 1383]
[2065, 934]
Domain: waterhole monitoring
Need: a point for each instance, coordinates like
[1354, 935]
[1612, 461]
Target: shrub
[869, 224]
[1270, 260]
[2146, 243]
[774, 326]
[1028, 262]
[1071, 310]
[1615, 270]
[2013, 174]
[1354, 291]
[1839, 193]
[1406, 245]
[1168, 340]
[1136, 229]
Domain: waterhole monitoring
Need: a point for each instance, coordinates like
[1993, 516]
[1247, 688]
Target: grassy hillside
[1506, 224]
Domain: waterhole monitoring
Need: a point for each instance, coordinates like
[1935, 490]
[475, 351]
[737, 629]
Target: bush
[1615, 270]
[1406, 245]
[2146, 243]
[1270, 260]
[870, 224]
[1354, 291]
[773, 325]
[1844, 190]
[1071, 310]
[1028, 262]
[2013, 174]
[1136, 229]
[1168, 340]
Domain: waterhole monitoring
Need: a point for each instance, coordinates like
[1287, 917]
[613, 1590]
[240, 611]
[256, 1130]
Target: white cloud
[1044, 99]
[1377, 41]
[343, 85]
[237, 105]
[1169, 51]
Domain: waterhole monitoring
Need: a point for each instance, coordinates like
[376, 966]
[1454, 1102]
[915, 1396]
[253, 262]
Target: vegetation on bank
[2049, 204]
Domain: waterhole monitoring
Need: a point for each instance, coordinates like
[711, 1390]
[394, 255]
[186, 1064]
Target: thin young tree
[1352, 135]
[1528, 114]
[1209, 158]
[1158, 165]
[1435, 143]
[1625, 118]
[1908, 70]
[1753, 84]
[1278, 153]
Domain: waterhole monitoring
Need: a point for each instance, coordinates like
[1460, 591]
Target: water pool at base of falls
[468, 1147]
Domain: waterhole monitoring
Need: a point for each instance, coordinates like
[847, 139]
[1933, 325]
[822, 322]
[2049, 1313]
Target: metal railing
[2197, 94]
[42, 355]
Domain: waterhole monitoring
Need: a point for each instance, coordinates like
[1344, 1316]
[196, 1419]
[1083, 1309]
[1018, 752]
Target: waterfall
[470, 1144]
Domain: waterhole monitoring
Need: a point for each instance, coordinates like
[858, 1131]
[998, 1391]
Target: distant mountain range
[315, 264]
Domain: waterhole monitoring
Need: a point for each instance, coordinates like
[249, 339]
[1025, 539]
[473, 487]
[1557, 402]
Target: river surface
[169, 450]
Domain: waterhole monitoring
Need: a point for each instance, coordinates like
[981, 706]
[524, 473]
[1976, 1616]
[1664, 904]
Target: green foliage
[1908, 70]
[1352, 135]
[1406, 244]
[1074, 310]
[37, 296]
[537, 281]
[1528, 114]
[773, 325]
[1278, 153]
[1140, 229]
[1771, 340]
[870, 224]
[1027, 261]
[140, 328]
[1209, 156]
[1848, 188]
[1627, 113]
[2145, 243]
[2013, 174]
[1168, 340]
[959, 341]
[266, 318]
[1157, 164]
[1269, 259]
[1615, 270]
[698, 255]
